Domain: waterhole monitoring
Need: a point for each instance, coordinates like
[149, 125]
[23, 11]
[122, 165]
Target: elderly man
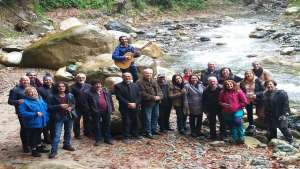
[34, 81]
[16, 97]
[78, 89]
[212, 108]
[119, 55]
[129, 98]
[151, 96]
[210, 71]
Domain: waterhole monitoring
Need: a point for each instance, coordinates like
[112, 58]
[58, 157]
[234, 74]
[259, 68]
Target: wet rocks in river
[119, 26]
[258, 34]
[251, 56]
[281, 147]
[287, 51]
[204, 39]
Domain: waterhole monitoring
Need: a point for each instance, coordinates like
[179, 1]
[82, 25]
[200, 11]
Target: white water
[233, 54]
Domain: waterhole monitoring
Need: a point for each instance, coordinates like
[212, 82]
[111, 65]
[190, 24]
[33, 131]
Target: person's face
[225, 73]
[249, 75]
[48, 82]
[98, 86]
[124, 41]
[188, 72]
[31, 93]
[161, 79]
[256, 66]
[213, 83]
[229, 85]
[24, 82]
[81, 79]
[270, 86]
[211, 66]
[194, 80]
[127, 78]
[178, 80]
[148, 75]
[61, 88]
[32, 76]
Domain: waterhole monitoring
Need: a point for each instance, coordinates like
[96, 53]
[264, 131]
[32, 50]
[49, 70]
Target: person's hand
[64, 106]
[131, 105]
[283, 117]
[39, 113]
[137, 53]
[156, 98]
[69, 109]
[20, 101]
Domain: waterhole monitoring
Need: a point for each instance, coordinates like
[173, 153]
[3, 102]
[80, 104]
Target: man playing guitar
[119, 55]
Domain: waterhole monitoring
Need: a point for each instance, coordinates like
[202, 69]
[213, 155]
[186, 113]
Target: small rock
[287, 51]
[62, 75]
[259, 161]
[281, 146]
[251, 142]
[204, 39]
[220, 43]
[150, 34]
[251, 56]
[292, 10]
[217, 143]
[296, 134]
[258, 35]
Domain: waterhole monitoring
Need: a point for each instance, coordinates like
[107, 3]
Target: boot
[251, 130]
[35, 153]
[42, 149]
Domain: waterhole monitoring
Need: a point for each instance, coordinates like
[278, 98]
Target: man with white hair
[16, 97]
[210, 71]
[212, 108]
[79, 89]
[151, 95]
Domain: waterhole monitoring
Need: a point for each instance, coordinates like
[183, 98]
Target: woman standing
[34, 116]
[176, 94]
[232, 100]
[252, 86]
[194, 92]
[61, 106]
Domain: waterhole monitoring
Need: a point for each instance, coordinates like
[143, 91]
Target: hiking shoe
[69, 148]
[52, 155]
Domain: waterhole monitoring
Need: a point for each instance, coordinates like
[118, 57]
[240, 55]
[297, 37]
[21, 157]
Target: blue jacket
[120, 51]
[28, 111]
[16, 94]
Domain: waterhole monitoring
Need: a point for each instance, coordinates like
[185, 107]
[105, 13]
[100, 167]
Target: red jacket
[236, 100]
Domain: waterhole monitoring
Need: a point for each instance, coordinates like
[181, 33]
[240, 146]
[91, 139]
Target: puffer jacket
[28, 111]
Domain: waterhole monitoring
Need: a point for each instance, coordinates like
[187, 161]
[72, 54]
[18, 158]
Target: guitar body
[126, 63]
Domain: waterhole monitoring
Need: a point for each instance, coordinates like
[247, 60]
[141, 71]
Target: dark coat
[211, 100]
[127, 94]
[55, 109]
[166, 101]
[28, 111]
[205, 74]
[177, 96]
[148, 90]
[79, 91]
[15, 94]
[93, 102]
[276, 104]
[45, 92]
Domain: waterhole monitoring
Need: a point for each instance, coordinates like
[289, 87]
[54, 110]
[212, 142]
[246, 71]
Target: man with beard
[261, 73]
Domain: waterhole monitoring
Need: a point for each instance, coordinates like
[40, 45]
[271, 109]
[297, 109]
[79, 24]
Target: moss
[8, 33]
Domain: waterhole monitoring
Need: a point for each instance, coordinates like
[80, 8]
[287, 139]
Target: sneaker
[150, 136]
[155, 133]
[251, 130]
[69, 148]
[42, 149]
[26, 149]
[35, 153]
[52, 155]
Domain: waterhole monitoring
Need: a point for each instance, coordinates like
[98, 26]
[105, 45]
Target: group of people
[45, 108]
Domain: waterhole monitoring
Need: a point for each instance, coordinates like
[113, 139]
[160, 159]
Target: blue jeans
[68, 123]
[151, 118]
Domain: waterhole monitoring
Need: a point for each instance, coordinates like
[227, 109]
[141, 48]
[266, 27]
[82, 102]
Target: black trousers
[164, 116]
[181, 119]
[196, 123]
[87, 124]
[130, 123]
[23, 134]
[212, 123]
[34, 137]
[249, 109]
[102, 126]
[273, 124]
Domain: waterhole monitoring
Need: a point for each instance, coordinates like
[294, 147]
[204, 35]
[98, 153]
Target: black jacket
[205, 74]
[16, 94]
[276, 104]
[127, 94]
[79, 91]
[211, 100]
[54, 107]
[45, 92]
[93, 102]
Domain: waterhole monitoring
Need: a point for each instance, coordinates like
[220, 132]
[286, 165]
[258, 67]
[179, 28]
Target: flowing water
[237, 45]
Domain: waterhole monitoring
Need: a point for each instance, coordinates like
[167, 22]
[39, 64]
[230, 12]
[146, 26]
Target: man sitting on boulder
[119, 55]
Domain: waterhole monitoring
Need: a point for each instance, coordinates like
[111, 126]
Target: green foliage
[82, 4]
[295, 2]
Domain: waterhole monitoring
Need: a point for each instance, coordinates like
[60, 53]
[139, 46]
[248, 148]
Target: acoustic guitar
[126, 63]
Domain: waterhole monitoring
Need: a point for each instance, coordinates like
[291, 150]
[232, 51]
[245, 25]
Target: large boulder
[251, 142]
[99, 67]
[119, 26]
[10, 59]
[153, 50]
[57, 164]
[143, 62]
[117, 34]
[63, 75]
[69, 23]
[110, 82]
[69, 46]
